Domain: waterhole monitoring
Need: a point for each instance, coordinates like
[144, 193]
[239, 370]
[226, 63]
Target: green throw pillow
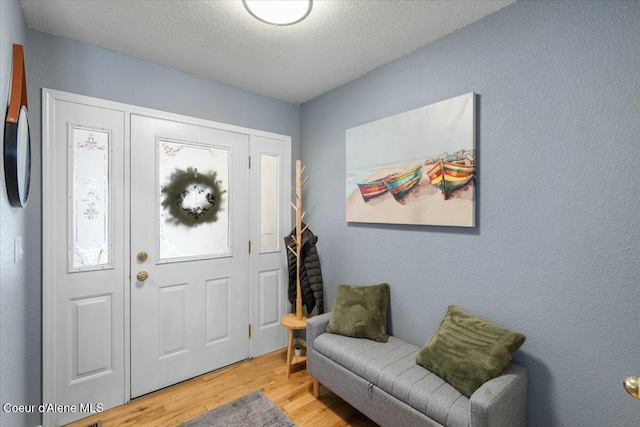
[361, 312]
[468, 351]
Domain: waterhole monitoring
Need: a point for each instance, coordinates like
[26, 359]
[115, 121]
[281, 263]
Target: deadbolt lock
[142, 276]
[142, 256]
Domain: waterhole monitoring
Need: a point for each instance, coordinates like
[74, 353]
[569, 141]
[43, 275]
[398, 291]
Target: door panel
[217, 309]
[172, 319]
[269, 283]
[84, 235]
[269, 277]
[91, 337]
[189, 212]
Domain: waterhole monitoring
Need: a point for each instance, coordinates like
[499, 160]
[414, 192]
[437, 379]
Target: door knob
[142, 276]
[142, 256]
[631, 385]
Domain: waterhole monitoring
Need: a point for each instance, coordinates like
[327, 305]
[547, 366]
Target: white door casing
[86, 335]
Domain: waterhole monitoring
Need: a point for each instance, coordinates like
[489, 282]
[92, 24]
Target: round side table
[290, 322]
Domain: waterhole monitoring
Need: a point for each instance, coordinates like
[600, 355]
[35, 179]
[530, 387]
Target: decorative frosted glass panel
[90, 198]
[269, 202]
[193, 201]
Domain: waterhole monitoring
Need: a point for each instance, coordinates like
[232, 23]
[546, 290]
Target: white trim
[149, 112]
[49, 96]
[127, 254]
[48, 300]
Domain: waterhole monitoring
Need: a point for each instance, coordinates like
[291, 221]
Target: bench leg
[316, 388]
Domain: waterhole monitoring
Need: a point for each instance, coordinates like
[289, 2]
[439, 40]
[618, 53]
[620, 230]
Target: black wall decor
[17, 140]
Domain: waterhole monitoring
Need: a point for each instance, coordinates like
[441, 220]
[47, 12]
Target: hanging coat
[310, 272]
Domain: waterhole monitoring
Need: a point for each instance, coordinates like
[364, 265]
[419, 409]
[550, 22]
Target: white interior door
[190, 215]
[84, 262]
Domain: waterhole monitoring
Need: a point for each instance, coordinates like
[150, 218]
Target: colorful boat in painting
[400, 184]
[372, 189]
[448, 177]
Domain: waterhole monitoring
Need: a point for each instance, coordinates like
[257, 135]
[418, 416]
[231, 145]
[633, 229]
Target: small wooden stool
[290, 322]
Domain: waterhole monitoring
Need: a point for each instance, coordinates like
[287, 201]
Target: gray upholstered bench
[383, 381]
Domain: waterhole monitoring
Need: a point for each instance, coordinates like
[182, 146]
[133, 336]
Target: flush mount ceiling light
[279, 12]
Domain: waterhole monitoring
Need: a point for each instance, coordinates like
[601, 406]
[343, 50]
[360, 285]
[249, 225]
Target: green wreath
[183, 183]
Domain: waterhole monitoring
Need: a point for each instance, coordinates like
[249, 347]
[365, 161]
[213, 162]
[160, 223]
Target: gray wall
[556, 253]
[19, 311]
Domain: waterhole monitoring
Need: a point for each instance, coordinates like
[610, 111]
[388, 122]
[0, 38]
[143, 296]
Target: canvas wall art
[417, 167]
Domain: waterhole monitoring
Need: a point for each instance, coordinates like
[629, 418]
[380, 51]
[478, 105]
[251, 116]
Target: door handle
[142, 256]
[631, 385]
[142, 276]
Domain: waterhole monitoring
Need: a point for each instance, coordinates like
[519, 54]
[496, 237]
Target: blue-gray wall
[19, 311]
[556, 252]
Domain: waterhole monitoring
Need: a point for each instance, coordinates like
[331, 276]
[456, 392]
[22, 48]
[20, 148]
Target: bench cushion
[391, 367]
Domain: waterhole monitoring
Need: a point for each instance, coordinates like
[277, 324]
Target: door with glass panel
[189, 249]
[85, 261]
[162, 249]
[269, 274]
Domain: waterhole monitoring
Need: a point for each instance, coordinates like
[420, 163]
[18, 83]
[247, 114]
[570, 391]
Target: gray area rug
[251, 410]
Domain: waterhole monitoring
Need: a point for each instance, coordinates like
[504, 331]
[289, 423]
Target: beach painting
[417, 167]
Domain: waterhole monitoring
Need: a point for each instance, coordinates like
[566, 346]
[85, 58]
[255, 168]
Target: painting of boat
[400, 184]
[372, 189]
[448, 177]
[417, 167]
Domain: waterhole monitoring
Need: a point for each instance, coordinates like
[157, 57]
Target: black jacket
[310, 272]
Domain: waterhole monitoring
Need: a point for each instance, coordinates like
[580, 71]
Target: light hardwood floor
[182, 402]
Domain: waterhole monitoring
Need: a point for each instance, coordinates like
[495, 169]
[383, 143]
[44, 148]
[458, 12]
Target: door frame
[49, 97]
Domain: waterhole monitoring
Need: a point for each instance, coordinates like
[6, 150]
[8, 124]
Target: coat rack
[293, 321]
[297, 207]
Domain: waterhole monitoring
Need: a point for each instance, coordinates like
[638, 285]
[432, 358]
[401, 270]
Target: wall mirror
[17, 140]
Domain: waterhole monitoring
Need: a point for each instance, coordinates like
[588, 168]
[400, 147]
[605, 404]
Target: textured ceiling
[338, 42]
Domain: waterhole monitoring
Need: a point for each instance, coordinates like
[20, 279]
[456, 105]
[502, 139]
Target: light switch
[17, 244]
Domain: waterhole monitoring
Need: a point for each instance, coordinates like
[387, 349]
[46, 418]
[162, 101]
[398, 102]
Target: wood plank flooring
[294, 396]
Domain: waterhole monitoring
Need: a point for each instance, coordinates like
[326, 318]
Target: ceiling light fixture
[279, 12]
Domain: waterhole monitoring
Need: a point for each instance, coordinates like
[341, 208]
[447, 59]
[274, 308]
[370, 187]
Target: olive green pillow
[361, 312]
[467, 350]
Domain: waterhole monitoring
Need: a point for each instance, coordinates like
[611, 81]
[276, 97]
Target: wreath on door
[193, 198]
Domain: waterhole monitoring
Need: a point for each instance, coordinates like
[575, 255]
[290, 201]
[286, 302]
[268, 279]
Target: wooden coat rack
[297, 207]
[293, 321]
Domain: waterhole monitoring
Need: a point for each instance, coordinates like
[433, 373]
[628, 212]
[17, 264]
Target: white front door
[190, 216]
[120, 181]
